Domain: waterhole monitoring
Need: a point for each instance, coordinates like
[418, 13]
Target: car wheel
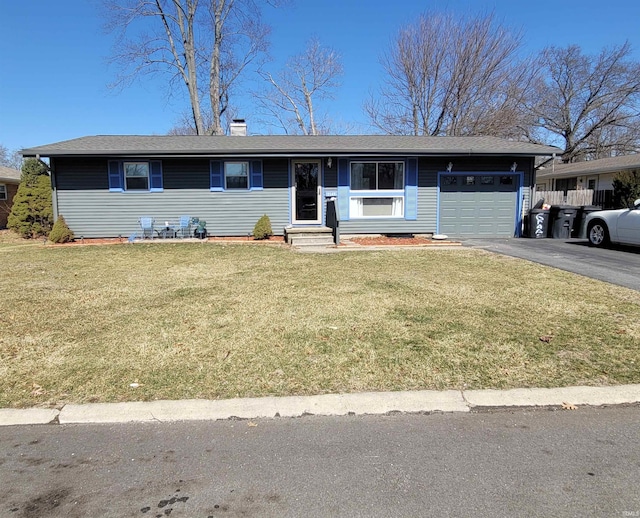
[598, 233]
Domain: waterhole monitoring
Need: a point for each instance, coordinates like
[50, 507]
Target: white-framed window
[3, 191]
[236, 175]
[136, 176]
[377, 190]
[377, 176]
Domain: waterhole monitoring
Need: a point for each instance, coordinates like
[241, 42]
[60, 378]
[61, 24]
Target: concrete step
[311, 240]
[309, 236]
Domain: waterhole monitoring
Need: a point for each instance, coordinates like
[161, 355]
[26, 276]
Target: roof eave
[254, 153]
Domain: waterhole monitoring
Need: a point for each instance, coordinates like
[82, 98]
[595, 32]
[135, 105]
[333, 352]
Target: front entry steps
[309, 236]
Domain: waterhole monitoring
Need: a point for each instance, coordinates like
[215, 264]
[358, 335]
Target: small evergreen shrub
[61, 233]
[262, 230]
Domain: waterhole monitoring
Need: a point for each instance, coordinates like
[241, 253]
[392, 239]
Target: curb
[369, 403]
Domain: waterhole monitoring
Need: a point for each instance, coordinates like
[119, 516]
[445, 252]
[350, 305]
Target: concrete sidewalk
[373, 403]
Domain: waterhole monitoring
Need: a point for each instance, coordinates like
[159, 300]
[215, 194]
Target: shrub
[262, 230]
[32, 213]
[32, 168]
[61, 233]
[626, 188]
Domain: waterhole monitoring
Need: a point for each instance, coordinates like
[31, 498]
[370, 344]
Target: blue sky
[55, 72]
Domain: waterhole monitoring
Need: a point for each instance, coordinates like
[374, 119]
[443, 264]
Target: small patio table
[168, 231]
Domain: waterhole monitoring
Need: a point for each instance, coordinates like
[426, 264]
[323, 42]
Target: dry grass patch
[194, 320]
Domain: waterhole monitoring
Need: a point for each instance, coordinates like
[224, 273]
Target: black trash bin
[561, 221]
[579, 225]
[537, 224]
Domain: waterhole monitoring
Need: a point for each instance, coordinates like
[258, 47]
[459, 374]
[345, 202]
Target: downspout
[54, 189]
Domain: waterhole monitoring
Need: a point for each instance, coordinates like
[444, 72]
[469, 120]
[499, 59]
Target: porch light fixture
[329, 162]
[513, 167]
[449, 167]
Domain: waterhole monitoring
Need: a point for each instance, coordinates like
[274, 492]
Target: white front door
[306, 192]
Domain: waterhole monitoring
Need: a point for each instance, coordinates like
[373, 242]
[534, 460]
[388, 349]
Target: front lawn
[197, 320]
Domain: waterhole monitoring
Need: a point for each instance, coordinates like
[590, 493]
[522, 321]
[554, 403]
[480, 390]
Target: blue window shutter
[116, 176]
[256, 175]
[411, 190]
[155, 173]
[343, 188]
[217, 181]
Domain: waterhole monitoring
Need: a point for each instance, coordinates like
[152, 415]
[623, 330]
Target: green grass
[193, 320]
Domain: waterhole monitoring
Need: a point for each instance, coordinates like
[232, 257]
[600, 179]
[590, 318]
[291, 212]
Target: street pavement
[503, 463]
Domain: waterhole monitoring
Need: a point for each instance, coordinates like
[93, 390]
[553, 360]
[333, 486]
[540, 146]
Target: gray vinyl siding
[82, 196]
[91, 210]
[331, 175]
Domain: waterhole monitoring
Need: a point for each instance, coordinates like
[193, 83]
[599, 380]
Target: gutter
[287, 154]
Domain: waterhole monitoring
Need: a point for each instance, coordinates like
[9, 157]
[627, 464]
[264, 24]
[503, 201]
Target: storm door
[306, 192]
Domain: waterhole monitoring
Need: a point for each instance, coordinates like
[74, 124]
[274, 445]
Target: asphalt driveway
[620, 265]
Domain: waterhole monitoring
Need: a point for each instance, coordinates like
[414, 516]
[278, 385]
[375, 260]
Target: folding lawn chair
[184, 227]
[146, 225]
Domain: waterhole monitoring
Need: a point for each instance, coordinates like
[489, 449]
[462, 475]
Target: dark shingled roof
[285, 145]
[602, 165]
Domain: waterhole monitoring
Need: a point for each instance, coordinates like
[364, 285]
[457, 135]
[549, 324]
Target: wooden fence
[573, 198]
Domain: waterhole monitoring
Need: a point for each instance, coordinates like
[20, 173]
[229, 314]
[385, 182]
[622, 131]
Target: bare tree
[452, 76]
[291, 93]
[591, 103]
[205, 45]
[11, 159]
[183, 125]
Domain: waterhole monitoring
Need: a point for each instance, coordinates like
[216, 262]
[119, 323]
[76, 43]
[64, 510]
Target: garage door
[478, 205]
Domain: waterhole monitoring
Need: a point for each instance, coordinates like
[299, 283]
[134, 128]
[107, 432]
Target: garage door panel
[479, 209]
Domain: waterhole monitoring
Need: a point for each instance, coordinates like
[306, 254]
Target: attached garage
[479, 204]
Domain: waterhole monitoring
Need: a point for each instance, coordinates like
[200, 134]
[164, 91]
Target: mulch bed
[392, 240]
[116, 240]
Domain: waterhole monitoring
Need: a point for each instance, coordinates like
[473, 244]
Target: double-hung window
[236, 175]
[136, 176]
[377, 190]
[3, 191]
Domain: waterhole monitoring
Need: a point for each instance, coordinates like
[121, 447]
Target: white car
[620, 226]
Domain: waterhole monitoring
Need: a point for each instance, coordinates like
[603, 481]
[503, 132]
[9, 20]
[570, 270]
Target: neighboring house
[460, 186]
[597, 175]
[9, 181]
